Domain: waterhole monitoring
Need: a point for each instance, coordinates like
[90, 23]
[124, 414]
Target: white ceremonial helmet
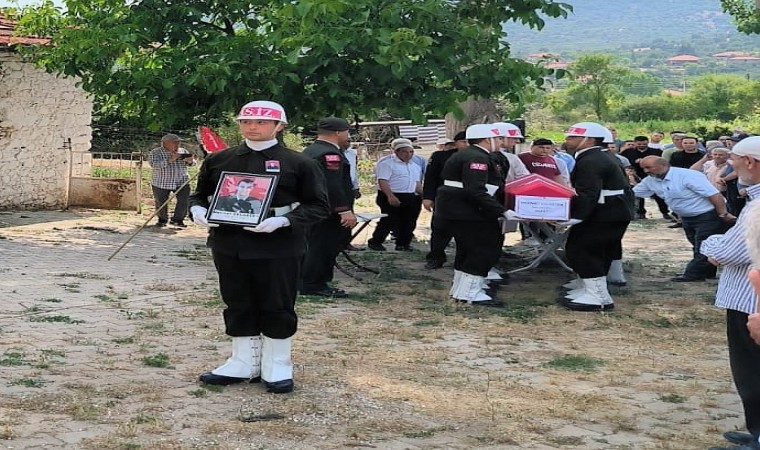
[482, 131]
[587, 129]
[509, 130]
[263, 109]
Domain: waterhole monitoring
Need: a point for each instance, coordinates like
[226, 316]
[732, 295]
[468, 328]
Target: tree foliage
[746, 14]
[169, 63]
[597, 83]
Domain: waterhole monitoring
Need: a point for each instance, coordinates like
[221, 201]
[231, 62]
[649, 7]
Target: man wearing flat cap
[328, 237]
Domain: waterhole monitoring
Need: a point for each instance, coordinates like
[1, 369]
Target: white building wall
[39, 112]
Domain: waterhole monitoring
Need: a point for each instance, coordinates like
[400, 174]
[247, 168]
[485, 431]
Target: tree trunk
[476, 111]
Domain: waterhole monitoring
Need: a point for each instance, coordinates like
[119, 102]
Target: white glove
[569, 223]
[269, 225]
[510, 215]
[199, 217]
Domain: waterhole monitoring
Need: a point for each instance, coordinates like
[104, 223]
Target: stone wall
[39, 113]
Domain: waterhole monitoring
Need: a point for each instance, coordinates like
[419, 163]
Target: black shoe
[489, 303]
[676, 225]
[640, 215]
[738, 437]
[569, 304]
[376, 247]
[669, 217]
[432, 264]
[179, 223]
[161, 223]
[683, 279]
[404, 248]
[221, 380]
[279, 387]
[326, 292]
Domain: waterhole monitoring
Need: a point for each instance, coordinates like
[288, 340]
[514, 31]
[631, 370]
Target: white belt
[452, 183]
[282, 210]
[608, 193]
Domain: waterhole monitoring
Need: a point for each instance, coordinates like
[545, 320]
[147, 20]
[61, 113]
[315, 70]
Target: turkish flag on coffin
[210, 141]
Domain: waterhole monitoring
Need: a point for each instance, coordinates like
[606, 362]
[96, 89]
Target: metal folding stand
[550, 238]
[364, 220]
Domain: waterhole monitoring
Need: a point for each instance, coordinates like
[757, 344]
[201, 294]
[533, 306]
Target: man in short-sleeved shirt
[697, 202]
[399, 181]
[539, 160]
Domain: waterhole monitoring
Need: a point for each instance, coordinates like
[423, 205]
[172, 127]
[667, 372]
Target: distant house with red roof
[744, 59]
[43, 119]
[683, 59]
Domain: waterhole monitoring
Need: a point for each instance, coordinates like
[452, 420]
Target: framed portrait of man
[241, 198]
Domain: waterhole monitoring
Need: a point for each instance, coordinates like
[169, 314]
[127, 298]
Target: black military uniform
[258, 272]
[469, 212]
[328, 237]
[634, 156]
[439, 238]
[595, 242]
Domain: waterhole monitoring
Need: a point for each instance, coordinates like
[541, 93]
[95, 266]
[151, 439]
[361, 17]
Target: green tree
[170, 63]
[596, 82]
[722, 97]
[746, 14]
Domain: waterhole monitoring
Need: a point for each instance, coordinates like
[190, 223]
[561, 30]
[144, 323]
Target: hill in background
[696, 27]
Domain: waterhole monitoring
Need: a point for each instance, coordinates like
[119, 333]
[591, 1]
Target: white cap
[509, 130]
[401, 143]
[263, 109]
[587, 129]
[749, 146]
[482, 131]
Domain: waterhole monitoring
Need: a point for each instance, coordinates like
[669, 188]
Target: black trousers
[478, 244]
[180, 210]
[744, 356]
[697, 229]
[326, 240]
[439, 240]
[260, 295]
[592, 246]
[661, 205]
[402, 219]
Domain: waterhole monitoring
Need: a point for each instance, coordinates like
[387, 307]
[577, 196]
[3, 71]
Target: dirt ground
[98, 354]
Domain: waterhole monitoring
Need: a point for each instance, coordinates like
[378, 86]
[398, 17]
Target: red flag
[211, 141]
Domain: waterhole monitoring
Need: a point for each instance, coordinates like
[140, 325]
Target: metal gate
[106, 180]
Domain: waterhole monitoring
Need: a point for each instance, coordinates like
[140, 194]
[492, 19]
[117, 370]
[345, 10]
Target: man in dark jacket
[259, 266]
[439, 238]
[640, 151]
[600, 215]
[329, 236]
[466, 206]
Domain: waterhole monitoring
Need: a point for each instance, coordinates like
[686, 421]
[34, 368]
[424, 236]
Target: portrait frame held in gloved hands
[242, 199]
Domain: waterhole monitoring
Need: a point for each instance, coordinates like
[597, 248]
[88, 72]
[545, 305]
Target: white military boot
[616, 275]
[276, 365]
[455, 283]
[594, 296]
[243, 365]
[471, 291]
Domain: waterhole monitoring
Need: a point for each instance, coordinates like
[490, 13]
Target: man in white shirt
[697, 202]
[399, 182]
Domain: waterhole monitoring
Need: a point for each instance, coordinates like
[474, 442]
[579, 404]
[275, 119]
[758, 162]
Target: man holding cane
[169, 164]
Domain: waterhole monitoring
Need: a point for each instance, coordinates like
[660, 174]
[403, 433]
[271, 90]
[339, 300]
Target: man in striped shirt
[736, 296]
[169, 163]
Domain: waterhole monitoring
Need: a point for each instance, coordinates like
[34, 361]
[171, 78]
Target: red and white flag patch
[478, 166]
[576, 131]
[332, 158]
